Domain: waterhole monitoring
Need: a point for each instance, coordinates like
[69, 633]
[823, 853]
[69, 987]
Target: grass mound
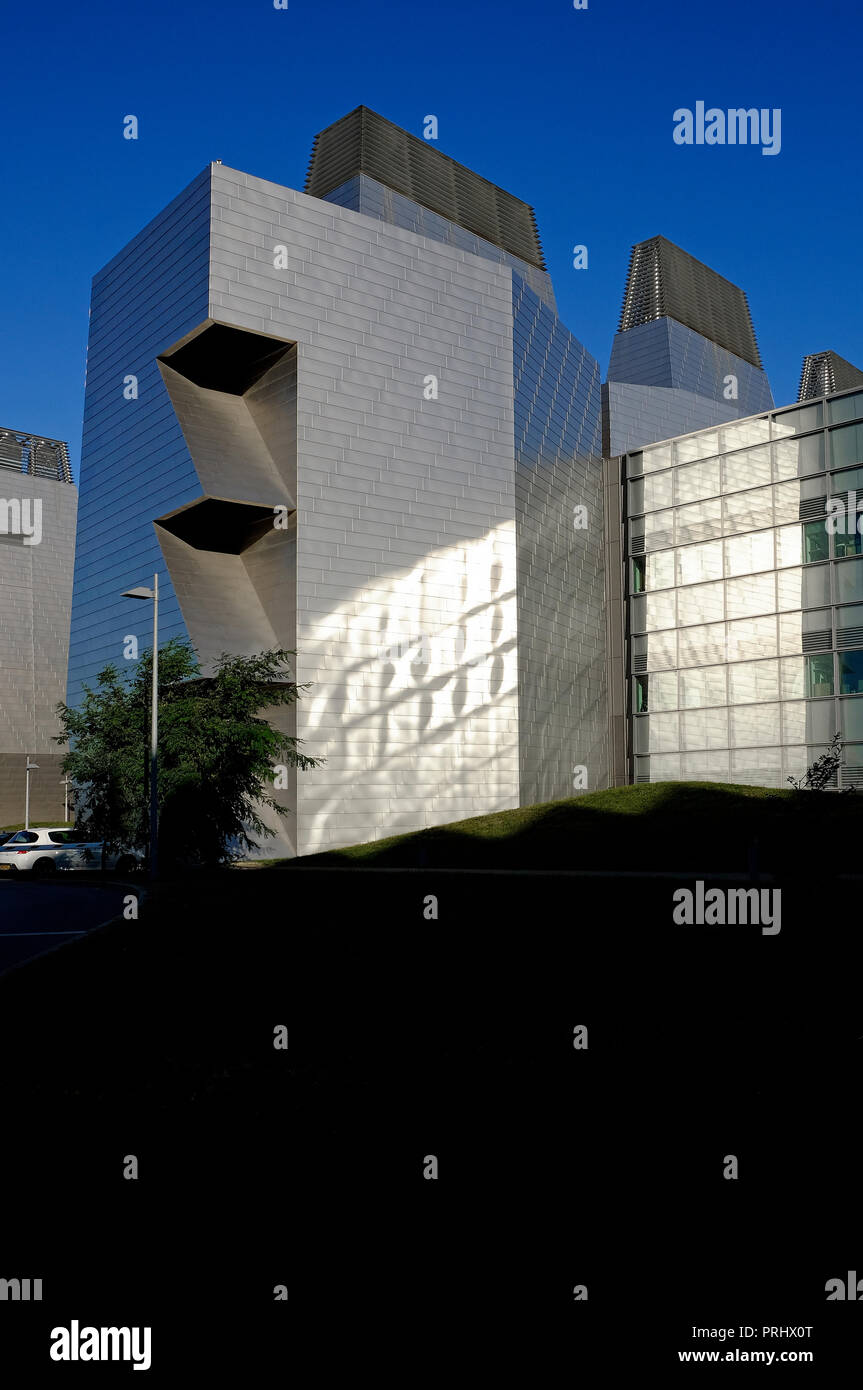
[661, 825]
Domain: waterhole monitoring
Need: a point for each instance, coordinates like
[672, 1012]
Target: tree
[217, 756]
[821, 773]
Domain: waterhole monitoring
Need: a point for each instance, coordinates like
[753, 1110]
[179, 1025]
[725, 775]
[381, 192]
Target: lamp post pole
[31, 767]
[154, 721]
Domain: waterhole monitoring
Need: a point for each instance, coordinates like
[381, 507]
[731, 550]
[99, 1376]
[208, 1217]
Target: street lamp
[154, 719]
[31, 767]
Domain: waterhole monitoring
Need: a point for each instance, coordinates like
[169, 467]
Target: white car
[45, 849]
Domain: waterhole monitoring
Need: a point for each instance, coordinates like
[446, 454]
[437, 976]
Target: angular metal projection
[666, 282]
[232, 567]
[365, 143]
[826, 372]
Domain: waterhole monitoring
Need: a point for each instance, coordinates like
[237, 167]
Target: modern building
[824, 373]
[349, 421]
[38, 502]
[740, 618]
[685, 355]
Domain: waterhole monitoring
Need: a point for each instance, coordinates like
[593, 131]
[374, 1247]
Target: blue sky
[570, 110]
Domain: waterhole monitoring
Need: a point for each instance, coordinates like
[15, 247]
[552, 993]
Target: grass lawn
[661, 825]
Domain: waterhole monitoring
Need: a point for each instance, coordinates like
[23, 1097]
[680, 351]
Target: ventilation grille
[35, 456]
[365, 143]
[812, 508]
[826, 372]
[636, 545]
[817, 641]
[849, 637]
[665, 281]
[639, 665]
[852, 776]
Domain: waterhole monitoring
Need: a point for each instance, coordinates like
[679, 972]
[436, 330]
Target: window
[755, 726]
[816, 586]
[702, 686]
[663, 690]
[753, 681]
[794, 719]
[819, 675]
[752, 638]
[747, 432]
[658, 457]
[789, 542]
[791, 677]
[660, 570]
[696, 563]
[659, 530]
[796, 421]
[702, 646]
[704, 728]
[24, 837]
[847, 543]
[846, 445]
[662, 655]
[641, 694]
[750, 553]
[849, 581]
[852, 719]
[638, 574]
[851, 673]
[844, 482]
[657, 491]
[661, 610]
[698, 482]
[701, 603]
[749, 511]
[847, 620]
[816, 545]
[747, 468]
[846, 408]
[664, 733]
[700, 521]
[697, 446]
[756, 593]
[794, 458]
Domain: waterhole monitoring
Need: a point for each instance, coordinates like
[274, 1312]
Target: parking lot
[37, 917]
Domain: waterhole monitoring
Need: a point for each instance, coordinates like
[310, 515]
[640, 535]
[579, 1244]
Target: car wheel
[43, 868]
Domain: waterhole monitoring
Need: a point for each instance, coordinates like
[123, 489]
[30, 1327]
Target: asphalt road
[37, 917]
